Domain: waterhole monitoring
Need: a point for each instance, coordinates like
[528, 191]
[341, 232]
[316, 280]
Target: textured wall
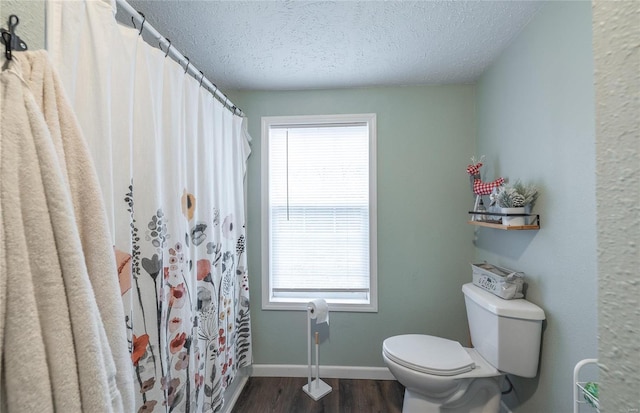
[32, 20]
[616, 43]
[425, 138]
[536, 122]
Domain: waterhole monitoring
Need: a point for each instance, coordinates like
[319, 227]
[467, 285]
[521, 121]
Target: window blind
[319, 210]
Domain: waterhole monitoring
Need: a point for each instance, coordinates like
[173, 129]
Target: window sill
[301, 305]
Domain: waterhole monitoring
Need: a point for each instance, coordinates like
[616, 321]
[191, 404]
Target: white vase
[513, 221]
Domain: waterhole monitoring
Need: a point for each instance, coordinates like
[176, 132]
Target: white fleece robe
[58, 314]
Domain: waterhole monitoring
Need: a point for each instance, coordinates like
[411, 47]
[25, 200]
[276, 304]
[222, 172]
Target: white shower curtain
[171, 162]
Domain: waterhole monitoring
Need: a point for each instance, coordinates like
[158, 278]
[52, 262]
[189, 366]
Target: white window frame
[268, 301]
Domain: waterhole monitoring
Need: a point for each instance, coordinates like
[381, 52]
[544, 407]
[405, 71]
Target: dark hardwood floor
[285, 395]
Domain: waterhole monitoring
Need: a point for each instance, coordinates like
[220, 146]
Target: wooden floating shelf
[488, 224]
[504, 227]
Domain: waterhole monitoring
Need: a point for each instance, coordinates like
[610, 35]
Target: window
[319, 212]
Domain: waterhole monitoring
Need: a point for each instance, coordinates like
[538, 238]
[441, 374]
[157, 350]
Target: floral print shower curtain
[171, 160]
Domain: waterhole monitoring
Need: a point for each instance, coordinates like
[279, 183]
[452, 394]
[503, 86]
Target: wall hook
[6, 39]
[10, 39]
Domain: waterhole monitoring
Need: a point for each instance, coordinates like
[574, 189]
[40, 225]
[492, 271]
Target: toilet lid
[428, 354]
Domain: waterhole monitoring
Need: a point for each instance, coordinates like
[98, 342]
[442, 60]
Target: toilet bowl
[441, 376]
[446, 378]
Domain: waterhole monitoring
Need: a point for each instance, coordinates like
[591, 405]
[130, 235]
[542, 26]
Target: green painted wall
[536, 121]
[425, 138]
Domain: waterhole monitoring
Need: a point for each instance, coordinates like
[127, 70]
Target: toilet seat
[429, 354]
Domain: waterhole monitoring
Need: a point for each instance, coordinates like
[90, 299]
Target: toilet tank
[506, 333]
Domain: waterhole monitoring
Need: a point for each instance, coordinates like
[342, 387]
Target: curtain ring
[213, 92]
[168, 46]
[186, 68]
[142, 24]
[201, 78]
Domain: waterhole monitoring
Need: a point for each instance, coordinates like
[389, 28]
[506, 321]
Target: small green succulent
[591, 393]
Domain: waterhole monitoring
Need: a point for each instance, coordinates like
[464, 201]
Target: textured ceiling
[287, 45]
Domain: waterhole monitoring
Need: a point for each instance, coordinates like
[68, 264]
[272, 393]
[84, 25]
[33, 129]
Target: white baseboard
[232, 393]
[329, 372]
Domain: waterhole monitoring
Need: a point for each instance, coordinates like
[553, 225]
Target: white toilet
[442, 376]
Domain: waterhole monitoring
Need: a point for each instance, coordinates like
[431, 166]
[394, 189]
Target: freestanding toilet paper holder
[317, 388]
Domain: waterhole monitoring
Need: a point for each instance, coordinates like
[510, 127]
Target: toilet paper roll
[319, 310]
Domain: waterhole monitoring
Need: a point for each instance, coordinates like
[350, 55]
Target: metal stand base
[319, 389]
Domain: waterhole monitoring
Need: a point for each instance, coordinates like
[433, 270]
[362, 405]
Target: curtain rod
[178, 57]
